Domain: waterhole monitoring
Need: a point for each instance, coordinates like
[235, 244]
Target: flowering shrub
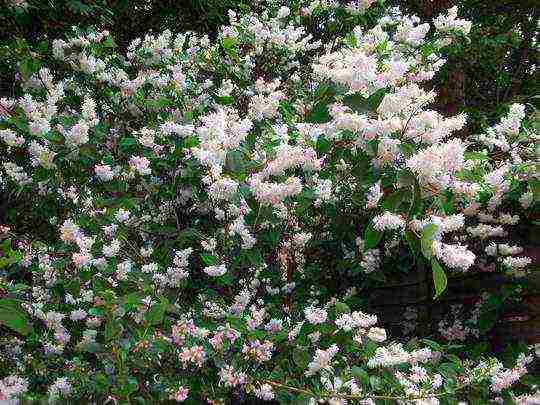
[181, 196]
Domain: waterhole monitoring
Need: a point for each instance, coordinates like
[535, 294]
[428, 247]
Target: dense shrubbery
[175, 204]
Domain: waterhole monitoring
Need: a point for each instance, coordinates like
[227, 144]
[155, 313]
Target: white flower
[377, 334]
[388, 221]
[122, 215]
[215, 271]
[374, 195]
[315, 316]
[11, 138]
[517, 262]
[112, 248]
[140, 164]
[454, 256]
[283, 12]
[104, 172]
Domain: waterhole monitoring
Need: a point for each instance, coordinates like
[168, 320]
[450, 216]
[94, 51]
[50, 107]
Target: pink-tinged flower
[454, 256]
[377, 334]
[195, 354]
[11, 138]
[260, 351]
[4, 230]
[215, 271]
[180, 395]
[217, 340]
[265, 392]
[374, 195]
[322, 360]
[104, 172]
[316, 316]
[140, 164]
[12, 387]
[388, 221]
[78, 134]
[80, 259]
[232, 378]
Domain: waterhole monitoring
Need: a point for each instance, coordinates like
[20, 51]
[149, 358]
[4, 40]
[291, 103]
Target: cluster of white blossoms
[191, 191]
[388, 221]
[454, 256]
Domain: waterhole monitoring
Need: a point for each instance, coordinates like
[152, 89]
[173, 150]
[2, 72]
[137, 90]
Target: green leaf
[96, 312]
[361, 375]
[434, 345]
[209, 260]
[428, 233]
[301, 357]
[287, 111]
[396, 199]
[356, 102]
[13, 316]
[43, 46]
[127, 144]
[132, 384]
[412, 241]
[323, 145]
[439, 278]
[416, 206]
[359, 103]
[372, 237]
[235, 161]
[29, 67]
[155, 314]
[319, 114]
[342, 308]
[229, 44]
[108, 43]
[131, 301]
[375, 382]
[535, 188]
[277, 373]
[487, 320]
[321, 90]
[224, 100]
[112, 329]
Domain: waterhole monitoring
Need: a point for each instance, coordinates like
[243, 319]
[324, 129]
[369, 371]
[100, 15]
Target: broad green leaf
[396, 199]
[412, 241]
[209, 260]
[155, 314]
[29, 66]
[13, 316]
[361, 375]
[323, 145]
[301, 357]
[416, 206]
[434, 345]
[108, 43]
[439, 278]
[342, 308]
[319, 114]
[127, 144]
[224, 100]
[487, 320]
[428, 233]
[372, 237]
[235, 161]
